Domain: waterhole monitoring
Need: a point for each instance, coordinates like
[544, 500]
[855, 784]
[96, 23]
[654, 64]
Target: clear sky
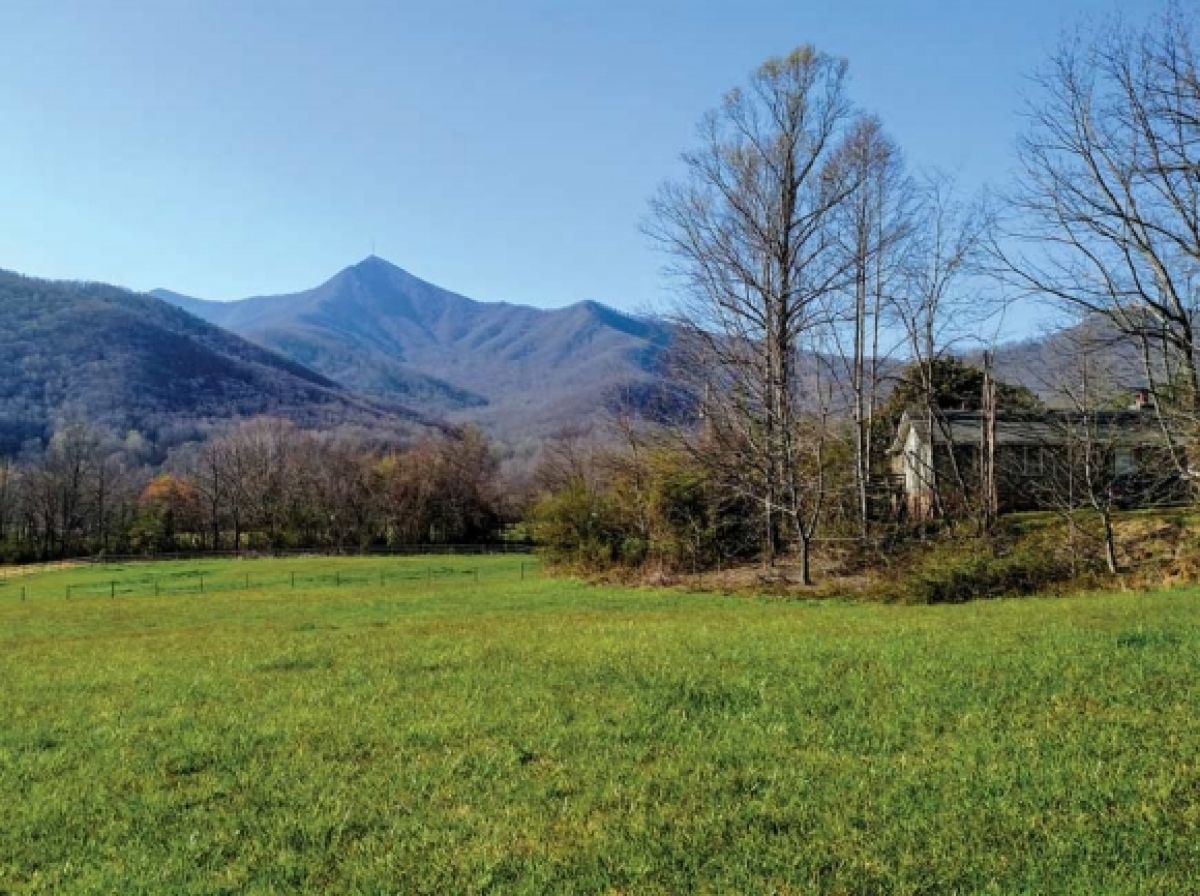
[505, 150]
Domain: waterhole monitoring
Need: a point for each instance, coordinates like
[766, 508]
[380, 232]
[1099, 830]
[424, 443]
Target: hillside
[1050, 363]
[131, 361]
[517, 370]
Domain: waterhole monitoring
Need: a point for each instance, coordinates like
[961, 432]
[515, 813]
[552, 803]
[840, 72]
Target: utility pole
[987, 444]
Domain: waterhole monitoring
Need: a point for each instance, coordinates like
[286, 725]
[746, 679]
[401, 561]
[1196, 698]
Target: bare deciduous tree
[937, 309]
[875, 230]
[210, 474]
[1107, 216]
[1077, 481]
[9, 492]
[749, 229]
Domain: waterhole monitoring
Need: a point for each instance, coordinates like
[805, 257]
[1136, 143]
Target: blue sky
[505, 150]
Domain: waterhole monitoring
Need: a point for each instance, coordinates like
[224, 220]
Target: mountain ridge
[133, 361]
[515, 369]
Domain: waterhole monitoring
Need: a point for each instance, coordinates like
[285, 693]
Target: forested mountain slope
[134, 362]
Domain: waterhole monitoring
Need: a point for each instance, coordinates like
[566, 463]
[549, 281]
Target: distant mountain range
[373, 346]
[133, 362]
[518, 371]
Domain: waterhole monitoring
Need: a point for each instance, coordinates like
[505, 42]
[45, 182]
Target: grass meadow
[467, 725]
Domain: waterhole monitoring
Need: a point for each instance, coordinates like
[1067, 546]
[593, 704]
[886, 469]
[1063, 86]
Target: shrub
[982, 573]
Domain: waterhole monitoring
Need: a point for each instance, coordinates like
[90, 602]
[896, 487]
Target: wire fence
[402, 550]
[201, 582]
[12, 570]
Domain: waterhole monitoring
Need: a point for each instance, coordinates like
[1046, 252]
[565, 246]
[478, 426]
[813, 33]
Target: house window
[1124, 462]
[1033, 461]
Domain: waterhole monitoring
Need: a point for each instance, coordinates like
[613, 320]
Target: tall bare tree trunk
[751, 231]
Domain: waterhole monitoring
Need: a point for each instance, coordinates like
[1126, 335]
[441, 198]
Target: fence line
[202, 583]
[403, 550]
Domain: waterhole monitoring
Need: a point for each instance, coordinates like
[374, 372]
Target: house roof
[1129, 429]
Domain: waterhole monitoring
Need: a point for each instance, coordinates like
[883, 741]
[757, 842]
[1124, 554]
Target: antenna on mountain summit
[372, 248]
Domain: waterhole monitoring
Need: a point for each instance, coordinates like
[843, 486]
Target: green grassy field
[454, 732]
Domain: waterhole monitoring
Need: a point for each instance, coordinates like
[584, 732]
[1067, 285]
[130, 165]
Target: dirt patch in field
[28, 569]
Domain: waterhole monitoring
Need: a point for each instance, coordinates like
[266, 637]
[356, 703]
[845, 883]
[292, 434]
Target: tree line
[261, 484]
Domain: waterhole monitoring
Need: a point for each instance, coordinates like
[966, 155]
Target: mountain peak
[376, 273]
[376, 328]
[376, 265]
[375, 261]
